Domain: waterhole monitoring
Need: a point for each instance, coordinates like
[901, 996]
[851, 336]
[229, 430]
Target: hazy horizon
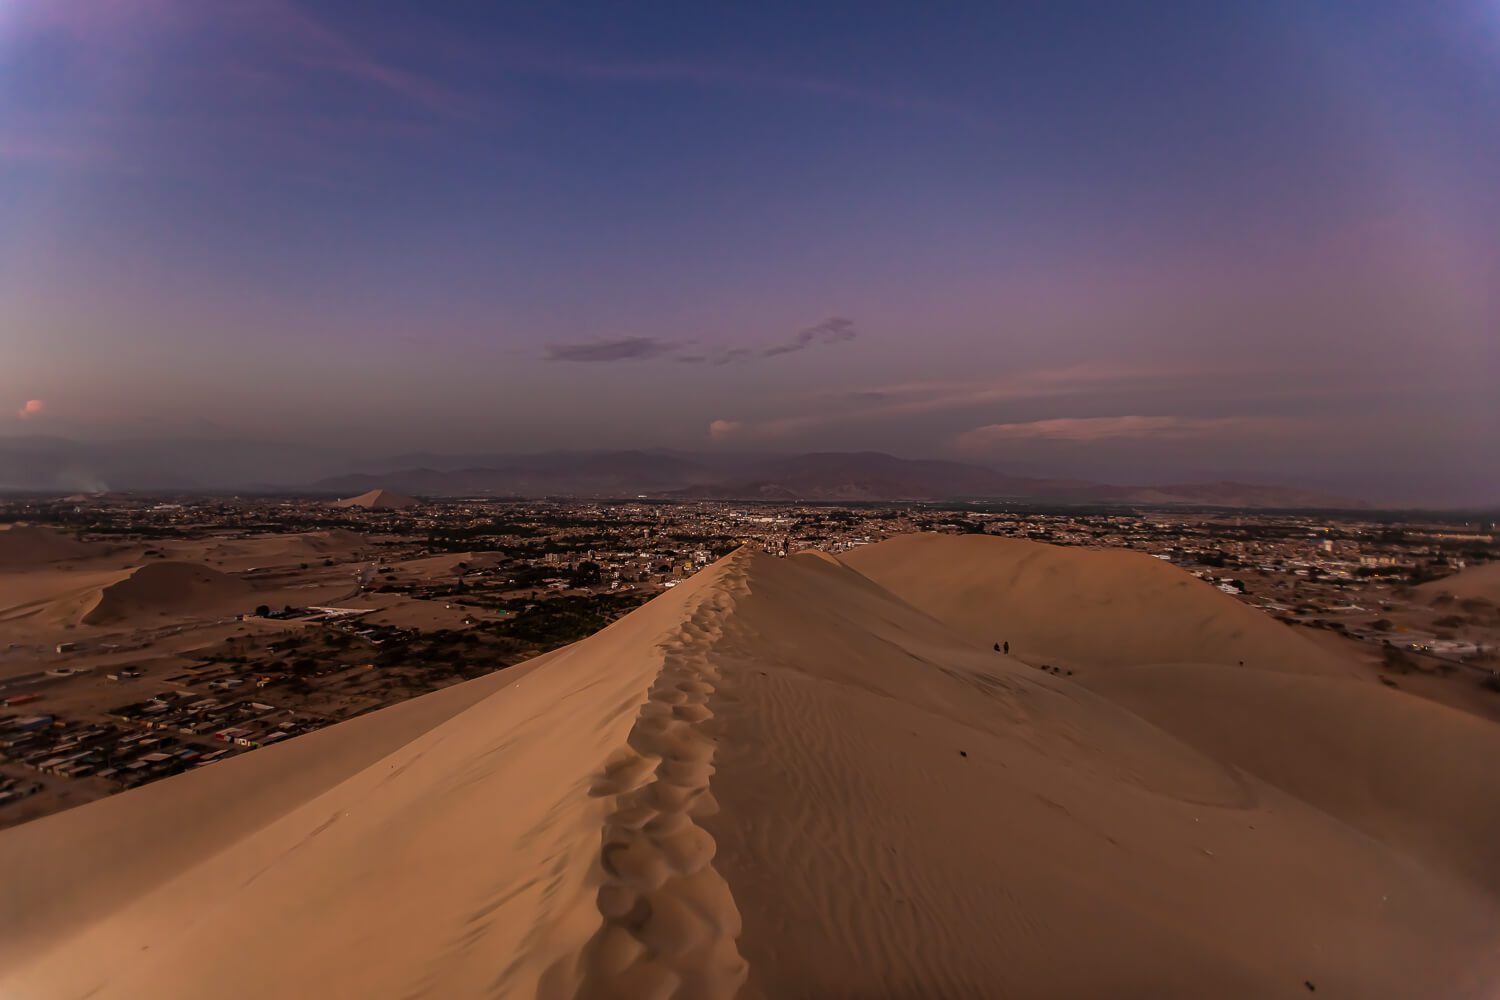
[1128, 244]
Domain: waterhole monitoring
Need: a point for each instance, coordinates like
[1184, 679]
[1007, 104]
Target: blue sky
[1150, 238]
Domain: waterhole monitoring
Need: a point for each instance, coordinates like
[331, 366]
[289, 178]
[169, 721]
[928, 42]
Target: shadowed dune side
[1081, 608]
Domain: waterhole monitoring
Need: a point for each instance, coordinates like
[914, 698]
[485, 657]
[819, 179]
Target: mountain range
[45, 464]
[830, 476]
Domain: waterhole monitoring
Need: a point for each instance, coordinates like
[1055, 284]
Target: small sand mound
[332, 540]
[168, 588]
[28, 546]
[378, 500]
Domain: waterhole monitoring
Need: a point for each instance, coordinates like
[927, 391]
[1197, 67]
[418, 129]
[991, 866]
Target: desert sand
[783, 779]
[378, 500]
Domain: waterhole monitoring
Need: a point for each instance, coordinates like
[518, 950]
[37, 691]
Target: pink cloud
[32, 409]
[282, 32]
[721, 429]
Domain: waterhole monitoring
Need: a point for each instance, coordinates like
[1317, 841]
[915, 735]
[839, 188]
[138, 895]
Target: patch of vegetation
[561, 620]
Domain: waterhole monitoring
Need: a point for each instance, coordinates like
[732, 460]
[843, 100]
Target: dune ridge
[780, 779]
[669, 919]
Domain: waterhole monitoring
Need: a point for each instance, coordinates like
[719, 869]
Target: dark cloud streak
[831, 331]
[618, 349]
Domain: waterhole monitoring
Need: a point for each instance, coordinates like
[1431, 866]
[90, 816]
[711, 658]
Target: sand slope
[28, 546]
[776, 780]
[168, 588]
[1081, 608]
[1481, 582]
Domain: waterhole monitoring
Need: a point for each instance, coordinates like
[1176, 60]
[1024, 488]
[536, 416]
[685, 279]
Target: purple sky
[1138, 241]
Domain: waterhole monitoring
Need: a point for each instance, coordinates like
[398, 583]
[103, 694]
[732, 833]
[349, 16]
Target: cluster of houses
[73, 749]
[242, 724]
[155, 738]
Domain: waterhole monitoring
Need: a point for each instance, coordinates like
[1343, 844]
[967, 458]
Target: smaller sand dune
[1094, 608]
[448, 564]
[332, 540]
[1477, 583]
[378, 500]
[168, 588]
[29, 546]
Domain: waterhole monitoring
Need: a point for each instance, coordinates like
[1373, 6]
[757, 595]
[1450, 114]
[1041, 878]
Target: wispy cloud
[319, 46]
[576, 67]
[1086, 430]
[830, 331]
[247, 65]
[32, 409]
[618, 349]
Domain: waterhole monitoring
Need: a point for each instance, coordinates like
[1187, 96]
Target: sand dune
[168, 588]
[378, 500]
[781, 780]
[1084, 609]
[332, 540]
[1478, 582]
[29, 546]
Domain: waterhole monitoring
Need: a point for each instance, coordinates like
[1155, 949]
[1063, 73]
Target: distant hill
[870, 475]
[67, 467]
[616, 473]
[832, 476]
